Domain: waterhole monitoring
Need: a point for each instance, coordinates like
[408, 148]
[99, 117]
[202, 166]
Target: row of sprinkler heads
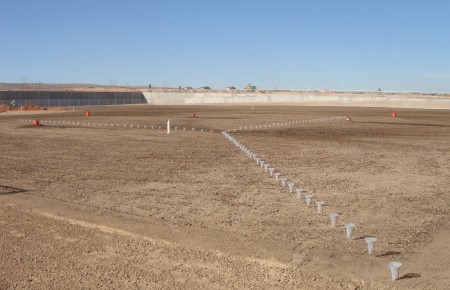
[111, 125]
[287, 123]
[293, 188]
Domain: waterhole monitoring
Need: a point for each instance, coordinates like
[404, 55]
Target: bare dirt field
[128, 208]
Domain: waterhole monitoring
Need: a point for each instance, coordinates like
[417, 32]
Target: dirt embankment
[6, 108]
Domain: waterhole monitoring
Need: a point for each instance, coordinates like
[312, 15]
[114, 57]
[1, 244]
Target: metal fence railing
[62, 99]
[70, 102]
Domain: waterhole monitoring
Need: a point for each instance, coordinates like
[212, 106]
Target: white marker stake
[349, 230]
[168, 126]
[395, 268]
[334, 216]
[320, 204]
[370, 244]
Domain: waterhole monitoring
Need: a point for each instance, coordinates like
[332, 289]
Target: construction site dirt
[131, 207]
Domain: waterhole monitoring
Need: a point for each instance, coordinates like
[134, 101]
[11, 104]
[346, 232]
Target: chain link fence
[63, 99]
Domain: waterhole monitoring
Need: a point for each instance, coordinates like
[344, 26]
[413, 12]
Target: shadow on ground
[409, 276]
[5, 190]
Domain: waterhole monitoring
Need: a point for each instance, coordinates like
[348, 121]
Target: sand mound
[31, 108]
[4, 108]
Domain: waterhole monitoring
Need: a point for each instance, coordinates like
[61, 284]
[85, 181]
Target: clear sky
[401, 45]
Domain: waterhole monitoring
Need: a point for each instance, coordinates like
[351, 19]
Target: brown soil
[29, 108]
[6, 108]
[135, 208]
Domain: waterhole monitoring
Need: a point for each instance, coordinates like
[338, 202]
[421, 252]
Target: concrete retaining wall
[52, 98]
[184, 98]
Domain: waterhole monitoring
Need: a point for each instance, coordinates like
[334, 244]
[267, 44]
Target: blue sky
[400, 45]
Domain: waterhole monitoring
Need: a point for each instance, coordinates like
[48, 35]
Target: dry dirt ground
[126, 208]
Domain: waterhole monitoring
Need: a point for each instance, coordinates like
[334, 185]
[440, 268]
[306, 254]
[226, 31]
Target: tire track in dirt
[157, 242]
